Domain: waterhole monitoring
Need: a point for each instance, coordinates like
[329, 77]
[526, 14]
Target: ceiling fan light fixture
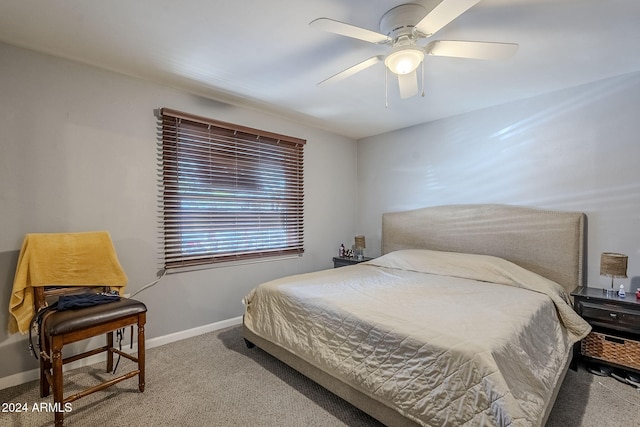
[404, 60]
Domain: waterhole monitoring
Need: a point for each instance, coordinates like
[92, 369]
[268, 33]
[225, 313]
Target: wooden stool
[59, 328]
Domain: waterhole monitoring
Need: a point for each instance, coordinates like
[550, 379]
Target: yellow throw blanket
[57, 259]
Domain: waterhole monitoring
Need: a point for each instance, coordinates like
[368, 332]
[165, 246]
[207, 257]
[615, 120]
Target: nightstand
[615, 338]
[339, 261]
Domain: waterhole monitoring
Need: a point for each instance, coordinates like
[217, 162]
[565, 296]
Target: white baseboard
[194, 332]
[34, 374]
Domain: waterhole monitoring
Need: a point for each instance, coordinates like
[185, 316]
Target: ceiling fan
[403, 28]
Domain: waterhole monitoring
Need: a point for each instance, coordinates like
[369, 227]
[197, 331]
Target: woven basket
[612, 349]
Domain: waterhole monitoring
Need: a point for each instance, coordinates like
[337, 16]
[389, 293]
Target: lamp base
[610, 292]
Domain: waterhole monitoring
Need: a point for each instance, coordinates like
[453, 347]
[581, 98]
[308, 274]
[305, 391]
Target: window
[228, 192]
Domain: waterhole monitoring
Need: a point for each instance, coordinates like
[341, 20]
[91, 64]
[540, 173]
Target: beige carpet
[214, 380]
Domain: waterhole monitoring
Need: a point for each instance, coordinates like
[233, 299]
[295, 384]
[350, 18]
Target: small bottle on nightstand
[621, 292]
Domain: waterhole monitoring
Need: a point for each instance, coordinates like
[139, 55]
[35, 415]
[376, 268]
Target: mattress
[442, 338]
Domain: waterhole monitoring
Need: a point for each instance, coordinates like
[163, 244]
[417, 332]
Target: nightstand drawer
[616, 317]
[343, 262]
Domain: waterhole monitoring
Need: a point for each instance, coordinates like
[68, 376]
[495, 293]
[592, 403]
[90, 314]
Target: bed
[465, 319]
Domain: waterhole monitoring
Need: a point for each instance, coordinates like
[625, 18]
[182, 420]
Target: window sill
[225, 264]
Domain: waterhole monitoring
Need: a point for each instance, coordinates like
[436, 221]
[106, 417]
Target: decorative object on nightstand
[359, 247]
[614, 265]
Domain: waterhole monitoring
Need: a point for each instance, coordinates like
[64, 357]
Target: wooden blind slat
[199, 120]
[228, 192]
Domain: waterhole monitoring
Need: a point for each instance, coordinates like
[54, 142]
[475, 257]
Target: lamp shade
[613, 264]
[360, 244]
[404, 60]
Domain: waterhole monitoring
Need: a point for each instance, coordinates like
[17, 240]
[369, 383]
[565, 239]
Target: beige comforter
[443, 338]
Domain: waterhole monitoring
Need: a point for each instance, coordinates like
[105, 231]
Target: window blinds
[228, 192]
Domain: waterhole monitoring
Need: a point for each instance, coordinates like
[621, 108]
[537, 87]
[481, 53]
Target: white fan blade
[408, 84]
[348, 30]
[442, 14]
[352, 70]
[471, 49]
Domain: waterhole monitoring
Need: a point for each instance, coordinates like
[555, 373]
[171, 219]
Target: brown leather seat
[63, 327]
[64, 322]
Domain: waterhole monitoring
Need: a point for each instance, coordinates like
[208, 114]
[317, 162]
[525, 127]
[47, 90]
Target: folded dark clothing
[69, 302]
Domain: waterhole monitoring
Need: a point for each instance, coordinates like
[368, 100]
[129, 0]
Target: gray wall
[78, 153]
[576, 149]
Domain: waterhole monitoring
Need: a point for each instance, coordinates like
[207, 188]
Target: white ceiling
[263, 54]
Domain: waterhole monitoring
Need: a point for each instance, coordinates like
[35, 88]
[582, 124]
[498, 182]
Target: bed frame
[549, 243]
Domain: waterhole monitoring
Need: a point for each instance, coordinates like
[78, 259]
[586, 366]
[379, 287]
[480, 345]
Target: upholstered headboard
[549, 243]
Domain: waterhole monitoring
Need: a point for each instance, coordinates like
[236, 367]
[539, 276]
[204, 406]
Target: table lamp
[614, 265]
[359, 246]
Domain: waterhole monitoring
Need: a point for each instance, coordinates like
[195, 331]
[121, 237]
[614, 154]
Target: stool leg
[142, 318]
[109, 352]
[56, 361]
[45, 366]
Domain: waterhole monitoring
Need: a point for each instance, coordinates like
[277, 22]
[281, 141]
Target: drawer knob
[614, 315]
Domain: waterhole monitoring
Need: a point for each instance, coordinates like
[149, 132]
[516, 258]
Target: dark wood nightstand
[615, 338]
[339, 261]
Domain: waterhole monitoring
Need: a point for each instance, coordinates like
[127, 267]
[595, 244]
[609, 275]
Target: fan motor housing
[400, 20]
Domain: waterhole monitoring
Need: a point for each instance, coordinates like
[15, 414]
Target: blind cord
[150, 284]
